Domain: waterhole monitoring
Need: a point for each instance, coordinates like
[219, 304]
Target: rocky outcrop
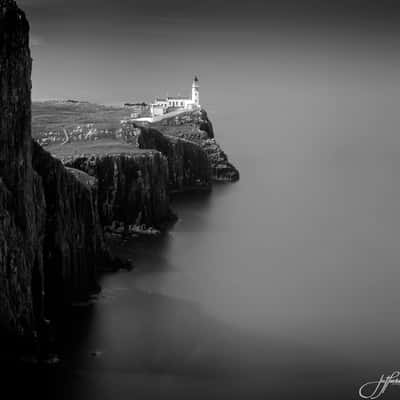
[221, 169]
[196, 127]
[50, 238]
[205, 125]
[188, 165]
[133, 186]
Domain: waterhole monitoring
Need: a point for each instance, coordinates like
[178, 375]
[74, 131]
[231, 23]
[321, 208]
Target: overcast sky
[131, 50]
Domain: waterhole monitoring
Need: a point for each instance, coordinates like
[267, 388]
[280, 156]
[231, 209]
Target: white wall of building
[157, 110]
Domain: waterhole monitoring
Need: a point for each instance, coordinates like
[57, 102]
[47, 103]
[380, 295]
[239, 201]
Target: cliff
[50, 237]
[188, 164]
[73, 247]
[221, 169]
[21, 196]
[132, 184]
[205, 125]
[196, 127]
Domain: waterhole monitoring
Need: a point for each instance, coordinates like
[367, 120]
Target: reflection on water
[138, 342]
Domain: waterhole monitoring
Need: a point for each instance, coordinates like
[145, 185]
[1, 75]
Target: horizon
[116, 53]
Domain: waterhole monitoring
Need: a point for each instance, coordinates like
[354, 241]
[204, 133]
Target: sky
[125, 50]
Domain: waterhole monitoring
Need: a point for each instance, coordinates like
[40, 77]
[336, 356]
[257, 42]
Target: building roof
[178, 98]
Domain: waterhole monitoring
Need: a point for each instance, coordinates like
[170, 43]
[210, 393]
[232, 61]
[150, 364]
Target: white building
[161, 106]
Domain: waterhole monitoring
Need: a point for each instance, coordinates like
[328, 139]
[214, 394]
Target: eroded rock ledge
[133, 186]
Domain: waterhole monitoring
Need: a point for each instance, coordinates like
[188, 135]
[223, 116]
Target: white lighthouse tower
[196, 92]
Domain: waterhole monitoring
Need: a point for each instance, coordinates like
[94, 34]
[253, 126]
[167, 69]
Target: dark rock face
[132, 187]
[222, 169]
[21, 262]
[187, 163]
[196, 127]
[50, 237]
[21, 199]
[74, 248]
[205, 124]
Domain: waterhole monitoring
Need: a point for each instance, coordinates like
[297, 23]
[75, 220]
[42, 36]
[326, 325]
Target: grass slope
[58, 115]
[98, 147]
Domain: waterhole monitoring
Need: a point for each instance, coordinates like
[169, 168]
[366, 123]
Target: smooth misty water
[283, 285]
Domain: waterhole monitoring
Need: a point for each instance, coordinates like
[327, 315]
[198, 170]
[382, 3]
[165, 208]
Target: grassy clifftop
[189, 125]
[55, 116]
[100, 147]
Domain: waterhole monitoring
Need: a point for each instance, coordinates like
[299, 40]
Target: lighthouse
[166, 105]
[196, 92]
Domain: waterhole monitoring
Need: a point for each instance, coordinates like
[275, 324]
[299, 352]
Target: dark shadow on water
[191, 199]
[148, 252]
[151, 253]
[131, 343]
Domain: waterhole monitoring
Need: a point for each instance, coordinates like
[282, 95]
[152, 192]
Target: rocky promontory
[196, 127]
[180, 137]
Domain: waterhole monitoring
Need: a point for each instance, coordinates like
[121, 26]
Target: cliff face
[221, 169]
[188, 164]
[132, 187]
[50, 237]
[205, 125]
[196, 127]
[73, 247]
[21, 198]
